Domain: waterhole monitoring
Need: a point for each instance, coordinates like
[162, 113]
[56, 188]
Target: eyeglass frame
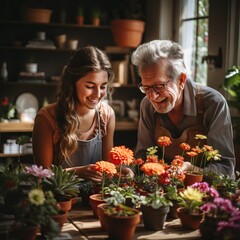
[153, 87]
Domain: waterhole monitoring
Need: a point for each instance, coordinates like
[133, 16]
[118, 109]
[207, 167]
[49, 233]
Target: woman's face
[91, 89]
[166, 100]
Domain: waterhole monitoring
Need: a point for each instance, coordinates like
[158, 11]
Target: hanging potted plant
[128, 26]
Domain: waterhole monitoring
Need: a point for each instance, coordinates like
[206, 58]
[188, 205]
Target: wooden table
[82, 225]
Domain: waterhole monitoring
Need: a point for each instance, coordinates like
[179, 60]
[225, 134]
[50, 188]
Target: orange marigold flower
[179, 157]
[153, 159]
[192, 154]
[151, 168]
[208, 148]
[121, 155]
[197, 149]
[138, 161]
[164, 141]
[105, 166]
[185, 146]
[177, 162]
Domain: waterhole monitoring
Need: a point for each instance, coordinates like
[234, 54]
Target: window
[193, 36]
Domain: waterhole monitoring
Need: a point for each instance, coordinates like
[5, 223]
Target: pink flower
[39, 171]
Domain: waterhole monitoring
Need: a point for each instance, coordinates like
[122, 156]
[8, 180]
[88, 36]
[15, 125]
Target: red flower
[121, 155]
[138, 161]
[5, 102]
[153, 159]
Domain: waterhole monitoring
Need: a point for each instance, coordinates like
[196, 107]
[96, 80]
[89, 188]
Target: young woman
[77, 130]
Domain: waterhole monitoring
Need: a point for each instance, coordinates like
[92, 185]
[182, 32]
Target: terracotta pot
[80, 20]
[25, 232]
[154, 219]
[127, 33]
[121, 228]
[65, 205]
[191, 178]
[100, 209]
[96, 21]
[37, 15]
[60, 218]
[94, 201]
[189, 221]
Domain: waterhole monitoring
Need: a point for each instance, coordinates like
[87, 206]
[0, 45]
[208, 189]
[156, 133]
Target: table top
[82, 225]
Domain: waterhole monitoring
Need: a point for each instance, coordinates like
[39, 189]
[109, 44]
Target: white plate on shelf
[26, 101]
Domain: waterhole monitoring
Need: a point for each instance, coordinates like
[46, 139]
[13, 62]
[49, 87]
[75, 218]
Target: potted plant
[64, 186]
[154, 205]
[33, 212]
[232, 87]
[128, 25]
[80, 15]
[96, 16]
[7, 110]
[189, 211]
[121, 221]
[38, 12]
[222, 220]
[108, 170]
[31, 64]
[206, 153]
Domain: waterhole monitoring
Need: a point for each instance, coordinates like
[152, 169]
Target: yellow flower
[200, 136]
[192, 194]
[36, 197]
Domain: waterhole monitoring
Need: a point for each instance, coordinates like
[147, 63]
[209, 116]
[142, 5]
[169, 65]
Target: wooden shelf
[4, 155]
[16, 127]
[126, 126]
[28, 127]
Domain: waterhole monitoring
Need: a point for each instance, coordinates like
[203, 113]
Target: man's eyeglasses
[156, 87]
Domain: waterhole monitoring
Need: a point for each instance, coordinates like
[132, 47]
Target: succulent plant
[63, 184]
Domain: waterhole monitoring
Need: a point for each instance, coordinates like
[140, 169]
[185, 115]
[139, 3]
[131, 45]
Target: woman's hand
[128, 171]
[186, 166]
[88, 173]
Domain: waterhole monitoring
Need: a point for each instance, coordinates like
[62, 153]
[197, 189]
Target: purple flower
[207, 207]
[213, 192]
[233, 222]
[224, 204]
[201, 186]
[38, 171]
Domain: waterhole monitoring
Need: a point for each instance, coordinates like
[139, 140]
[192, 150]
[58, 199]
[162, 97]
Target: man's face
[170, 96]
